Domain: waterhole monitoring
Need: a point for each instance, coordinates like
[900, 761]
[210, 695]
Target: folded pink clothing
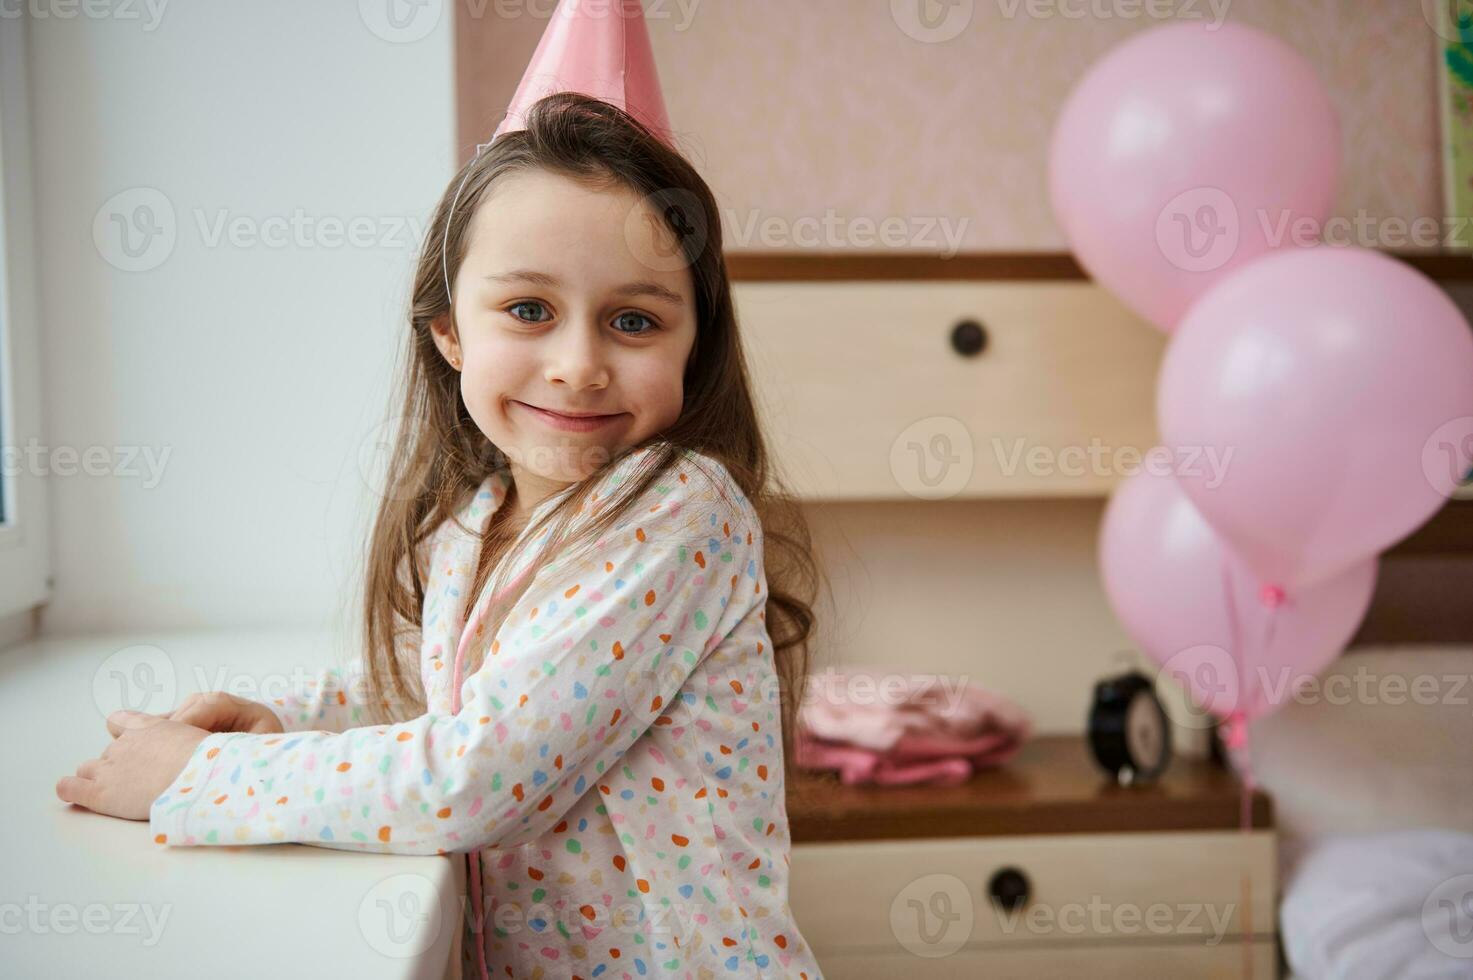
[893, 726]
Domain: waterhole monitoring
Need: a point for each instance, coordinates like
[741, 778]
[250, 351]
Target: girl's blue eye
[625, 317]
[637, 316]
[528, 302]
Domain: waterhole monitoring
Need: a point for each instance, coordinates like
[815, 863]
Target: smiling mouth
[563, 420]
[567, 415]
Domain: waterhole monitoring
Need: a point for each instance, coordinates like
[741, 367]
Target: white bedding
[1373, 805]
[1395, 905]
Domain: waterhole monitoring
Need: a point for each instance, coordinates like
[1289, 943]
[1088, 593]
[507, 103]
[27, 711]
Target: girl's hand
[145, 756]
[216, 711]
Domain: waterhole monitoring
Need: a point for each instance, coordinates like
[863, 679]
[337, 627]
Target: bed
[1373, 794]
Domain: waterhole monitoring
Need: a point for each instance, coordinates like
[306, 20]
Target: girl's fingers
[186, 705]
[216, 711]
[207, 710]
[75, 789]
[174, 715]
[120, 722]
[206, 715]
[88, 769]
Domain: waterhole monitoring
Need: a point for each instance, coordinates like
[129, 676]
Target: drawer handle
[968, 338]
[1009, 889]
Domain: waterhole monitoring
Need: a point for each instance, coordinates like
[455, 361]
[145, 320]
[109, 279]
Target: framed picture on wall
[1455, 95]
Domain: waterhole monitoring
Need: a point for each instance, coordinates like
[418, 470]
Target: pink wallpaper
[840, 110]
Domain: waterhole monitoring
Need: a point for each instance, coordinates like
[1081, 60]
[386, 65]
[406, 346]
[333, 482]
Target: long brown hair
[439, 455]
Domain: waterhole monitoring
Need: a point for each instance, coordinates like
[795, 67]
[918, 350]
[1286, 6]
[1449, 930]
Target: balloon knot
[1235, 730]
[1272, 596]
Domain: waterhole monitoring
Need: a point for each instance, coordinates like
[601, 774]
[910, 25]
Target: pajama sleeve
[332, 701]
[586, 661]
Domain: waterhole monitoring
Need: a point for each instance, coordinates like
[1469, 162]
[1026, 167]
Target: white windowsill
[279, 910]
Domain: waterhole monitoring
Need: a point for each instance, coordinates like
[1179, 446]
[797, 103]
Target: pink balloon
[1186, 152]
[1328, 383]
[1163, 569]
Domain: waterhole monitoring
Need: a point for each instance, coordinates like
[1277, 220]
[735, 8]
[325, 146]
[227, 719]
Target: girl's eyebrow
[643, 287]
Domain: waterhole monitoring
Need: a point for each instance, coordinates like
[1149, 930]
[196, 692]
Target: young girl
[603, 731]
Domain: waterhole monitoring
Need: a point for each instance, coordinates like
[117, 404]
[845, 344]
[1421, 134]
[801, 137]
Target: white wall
[259, 370]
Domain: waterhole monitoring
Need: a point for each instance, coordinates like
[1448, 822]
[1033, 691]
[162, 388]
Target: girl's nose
[575, 357]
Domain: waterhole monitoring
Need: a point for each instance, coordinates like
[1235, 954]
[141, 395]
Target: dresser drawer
[1120, 962]
[866, 396]
[930, 898]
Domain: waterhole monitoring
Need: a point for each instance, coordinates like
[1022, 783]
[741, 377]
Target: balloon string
[1232, 724]
[1235, 732]
[1272, 597]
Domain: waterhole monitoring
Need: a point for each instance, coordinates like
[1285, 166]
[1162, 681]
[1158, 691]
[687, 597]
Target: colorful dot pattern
[617, 761]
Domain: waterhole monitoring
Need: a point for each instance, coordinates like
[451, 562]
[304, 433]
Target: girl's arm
[587, 660]
[330, 702]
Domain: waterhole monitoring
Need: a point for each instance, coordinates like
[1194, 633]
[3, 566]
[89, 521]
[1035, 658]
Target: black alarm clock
[1129, 733]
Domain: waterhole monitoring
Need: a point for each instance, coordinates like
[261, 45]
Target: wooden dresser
[1040, 868]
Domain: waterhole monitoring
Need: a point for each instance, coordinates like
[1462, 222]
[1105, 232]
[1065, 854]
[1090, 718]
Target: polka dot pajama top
[612, 774]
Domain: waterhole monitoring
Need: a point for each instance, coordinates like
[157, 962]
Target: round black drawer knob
[968, 338]
[1009, 888]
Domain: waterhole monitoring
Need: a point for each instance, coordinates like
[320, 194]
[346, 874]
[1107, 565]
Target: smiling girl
[602, 732]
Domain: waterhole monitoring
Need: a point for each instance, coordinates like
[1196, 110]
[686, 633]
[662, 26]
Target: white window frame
[25, 553]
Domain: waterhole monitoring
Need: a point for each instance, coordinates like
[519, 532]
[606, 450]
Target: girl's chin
[564, 458]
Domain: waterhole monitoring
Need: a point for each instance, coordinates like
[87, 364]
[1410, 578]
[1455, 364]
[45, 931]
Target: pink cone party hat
[599, 48]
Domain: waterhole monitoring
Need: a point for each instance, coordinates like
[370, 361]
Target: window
[24, 552]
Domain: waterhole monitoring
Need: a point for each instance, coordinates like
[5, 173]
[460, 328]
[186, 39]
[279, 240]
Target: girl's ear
[445, 338]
